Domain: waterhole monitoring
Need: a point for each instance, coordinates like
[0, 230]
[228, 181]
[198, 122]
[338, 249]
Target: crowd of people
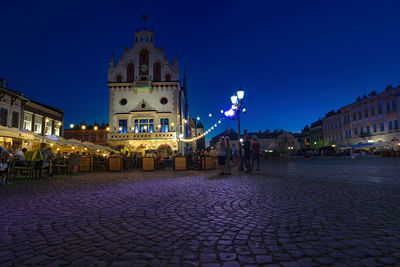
[42, 160]
[228, 154]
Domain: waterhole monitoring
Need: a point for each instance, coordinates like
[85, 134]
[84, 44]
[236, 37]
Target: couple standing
[224, 150]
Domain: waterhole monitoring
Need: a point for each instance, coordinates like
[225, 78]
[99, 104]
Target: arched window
[167, 78]
[130, 72]
[144, 62]
[119, 79]
[157, 72]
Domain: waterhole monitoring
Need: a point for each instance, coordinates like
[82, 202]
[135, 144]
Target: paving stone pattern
[305, 213]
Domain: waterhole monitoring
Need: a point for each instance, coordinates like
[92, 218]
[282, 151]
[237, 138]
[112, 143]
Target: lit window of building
[49, 126]
[38, 124]
[28, 122]
[123, 126]
[164, 125]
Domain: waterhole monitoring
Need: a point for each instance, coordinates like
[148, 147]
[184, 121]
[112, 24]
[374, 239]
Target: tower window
[123, 101]
[130, 71]
[119, 79]
[164, 100]
[168, 78]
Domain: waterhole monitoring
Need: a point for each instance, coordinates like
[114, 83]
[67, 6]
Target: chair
[28, 168]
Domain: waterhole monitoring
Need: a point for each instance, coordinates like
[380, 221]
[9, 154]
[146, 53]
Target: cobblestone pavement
[303, 213]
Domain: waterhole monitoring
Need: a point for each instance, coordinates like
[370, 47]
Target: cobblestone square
[321, 212]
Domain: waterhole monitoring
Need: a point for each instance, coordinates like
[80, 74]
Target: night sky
[296, 60]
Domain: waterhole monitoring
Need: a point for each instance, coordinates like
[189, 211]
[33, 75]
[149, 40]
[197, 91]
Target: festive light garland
[213, 127]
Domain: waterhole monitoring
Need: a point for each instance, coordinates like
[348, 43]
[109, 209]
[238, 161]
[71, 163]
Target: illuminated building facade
[148, 105]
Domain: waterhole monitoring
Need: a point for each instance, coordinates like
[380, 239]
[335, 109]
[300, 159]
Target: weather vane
[144, 16]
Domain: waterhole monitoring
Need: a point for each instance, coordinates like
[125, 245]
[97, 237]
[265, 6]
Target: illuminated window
[38, 124]
[144, 126]
[28, 122]
[49, 125]
[164, 125]
[123, 126]
[57, 126]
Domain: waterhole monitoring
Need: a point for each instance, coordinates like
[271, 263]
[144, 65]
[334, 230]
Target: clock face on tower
[143, 68]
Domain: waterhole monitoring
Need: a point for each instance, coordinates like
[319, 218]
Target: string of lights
[213, 127]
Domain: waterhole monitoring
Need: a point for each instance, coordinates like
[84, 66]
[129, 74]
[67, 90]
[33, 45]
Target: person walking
[221, 155]
[228, 155]
[247, 153]
[255, 153]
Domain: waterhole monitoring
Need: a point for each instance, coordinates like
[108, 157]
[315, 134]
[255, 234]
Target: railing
[141, 136]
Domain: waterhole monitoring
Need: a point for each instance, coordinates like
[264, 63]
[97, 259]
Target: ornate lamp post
[237, 101]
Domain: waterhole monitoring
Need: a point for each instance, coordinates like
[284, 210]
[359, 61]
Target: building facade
[317, 135]
[148, 105]
[374, 118]
[96, 134]
[17, 111]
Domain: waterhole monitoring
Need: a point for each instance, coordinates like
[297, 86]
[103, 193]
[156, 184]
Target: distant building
[373, 119]
[96, 134]
[317, 135]
[305, 138]
[333, 127]
[17, 111]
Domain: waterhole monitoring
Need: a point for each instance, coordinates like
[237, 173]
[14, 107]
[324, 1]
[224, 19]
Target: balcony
[141, 136]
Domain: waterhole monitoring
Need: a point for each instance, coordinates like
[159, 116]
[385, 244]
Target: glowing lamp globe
[240, 94]
[234, 99]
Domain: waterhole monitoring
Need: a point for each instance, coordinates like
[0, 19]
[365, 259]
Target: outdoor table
[180, 163]
[148, 164]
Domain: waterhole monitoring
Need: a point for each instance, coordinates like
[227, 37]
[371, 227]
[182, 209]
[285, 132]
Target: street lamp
[237, 101]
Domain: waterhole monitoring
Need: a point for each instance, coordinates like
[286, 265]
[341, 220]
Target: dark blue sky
[295, 60]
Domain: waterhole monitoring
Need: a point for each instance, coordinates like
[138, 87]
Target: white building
[148, 106]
